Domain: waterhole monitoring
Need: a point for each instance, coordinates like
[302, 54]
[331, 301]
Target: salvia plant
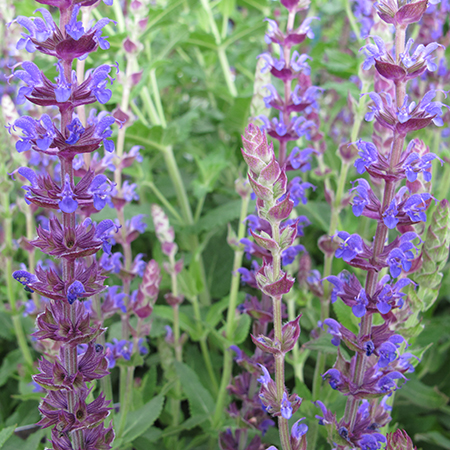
[224, 225]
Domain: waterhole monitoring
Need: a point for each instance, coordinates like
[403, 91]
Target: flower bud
[399, 440]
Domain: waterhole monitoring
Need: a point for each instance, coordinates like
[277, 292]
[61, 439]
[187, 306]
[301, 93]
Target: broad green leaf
[418, 393]
[214, 315]
[242, 330]
[200, 400]
[220, 216]
[140, 420]
[5, 434]
[143, 442]
[317, 212]
[434, 437]
[186, 323]
[237, 116]
[9, 365]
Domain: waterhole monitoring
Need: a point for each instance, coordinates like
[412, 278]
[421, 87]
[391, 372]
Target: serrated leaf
[200, 400]
[5, 434]
[141, 419]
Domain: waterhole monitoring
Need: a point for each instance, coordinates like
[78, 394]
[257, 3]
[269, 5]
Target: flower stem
[380, 238]
[220, 50]
[186, 213]
[231, 315]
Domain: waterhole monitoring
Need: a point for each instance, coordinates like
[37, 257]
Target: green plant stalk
[149, 105]
[203, 344]
[220, 50]
[163, 200]
[176, 334]
[157, 98]
[283, 426]
[231, 317]
[186, 212]
[8, 238]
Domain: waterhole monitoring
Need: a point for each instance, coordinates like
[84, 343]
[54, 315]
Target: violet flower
[76, 423]
[377, 368]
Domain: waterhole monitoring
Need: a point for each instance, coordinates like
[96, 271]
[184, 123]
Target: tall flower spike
[76, 421]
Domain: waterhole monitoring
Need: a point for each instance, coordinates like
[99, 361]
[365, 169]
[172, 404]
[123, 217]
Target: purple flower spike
[100, 189]
[74, 291]
[372, 441]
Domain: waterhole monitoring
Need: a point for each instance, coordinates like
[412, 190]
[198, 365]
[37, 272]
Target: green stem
[186, 213]
[203, 344]
[163, 200]
[157, 97]
[220, 50]
[283, 426]
[231, 316]
[148, 103]
[119, 17]
[8, 239]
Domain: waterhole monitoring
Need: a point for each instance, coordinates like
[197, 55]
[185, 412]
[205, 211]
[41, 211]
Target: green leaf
[345, 316]
[186, 323]
[151, 435]
[5, 434]
[422, 395]
[434, 437]
[200, 400]
[214, 315]
[9, 365]
[242, 329]
[238, 114]
[317, 212]
[141, 419]
[321, 344]
[220, 216]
